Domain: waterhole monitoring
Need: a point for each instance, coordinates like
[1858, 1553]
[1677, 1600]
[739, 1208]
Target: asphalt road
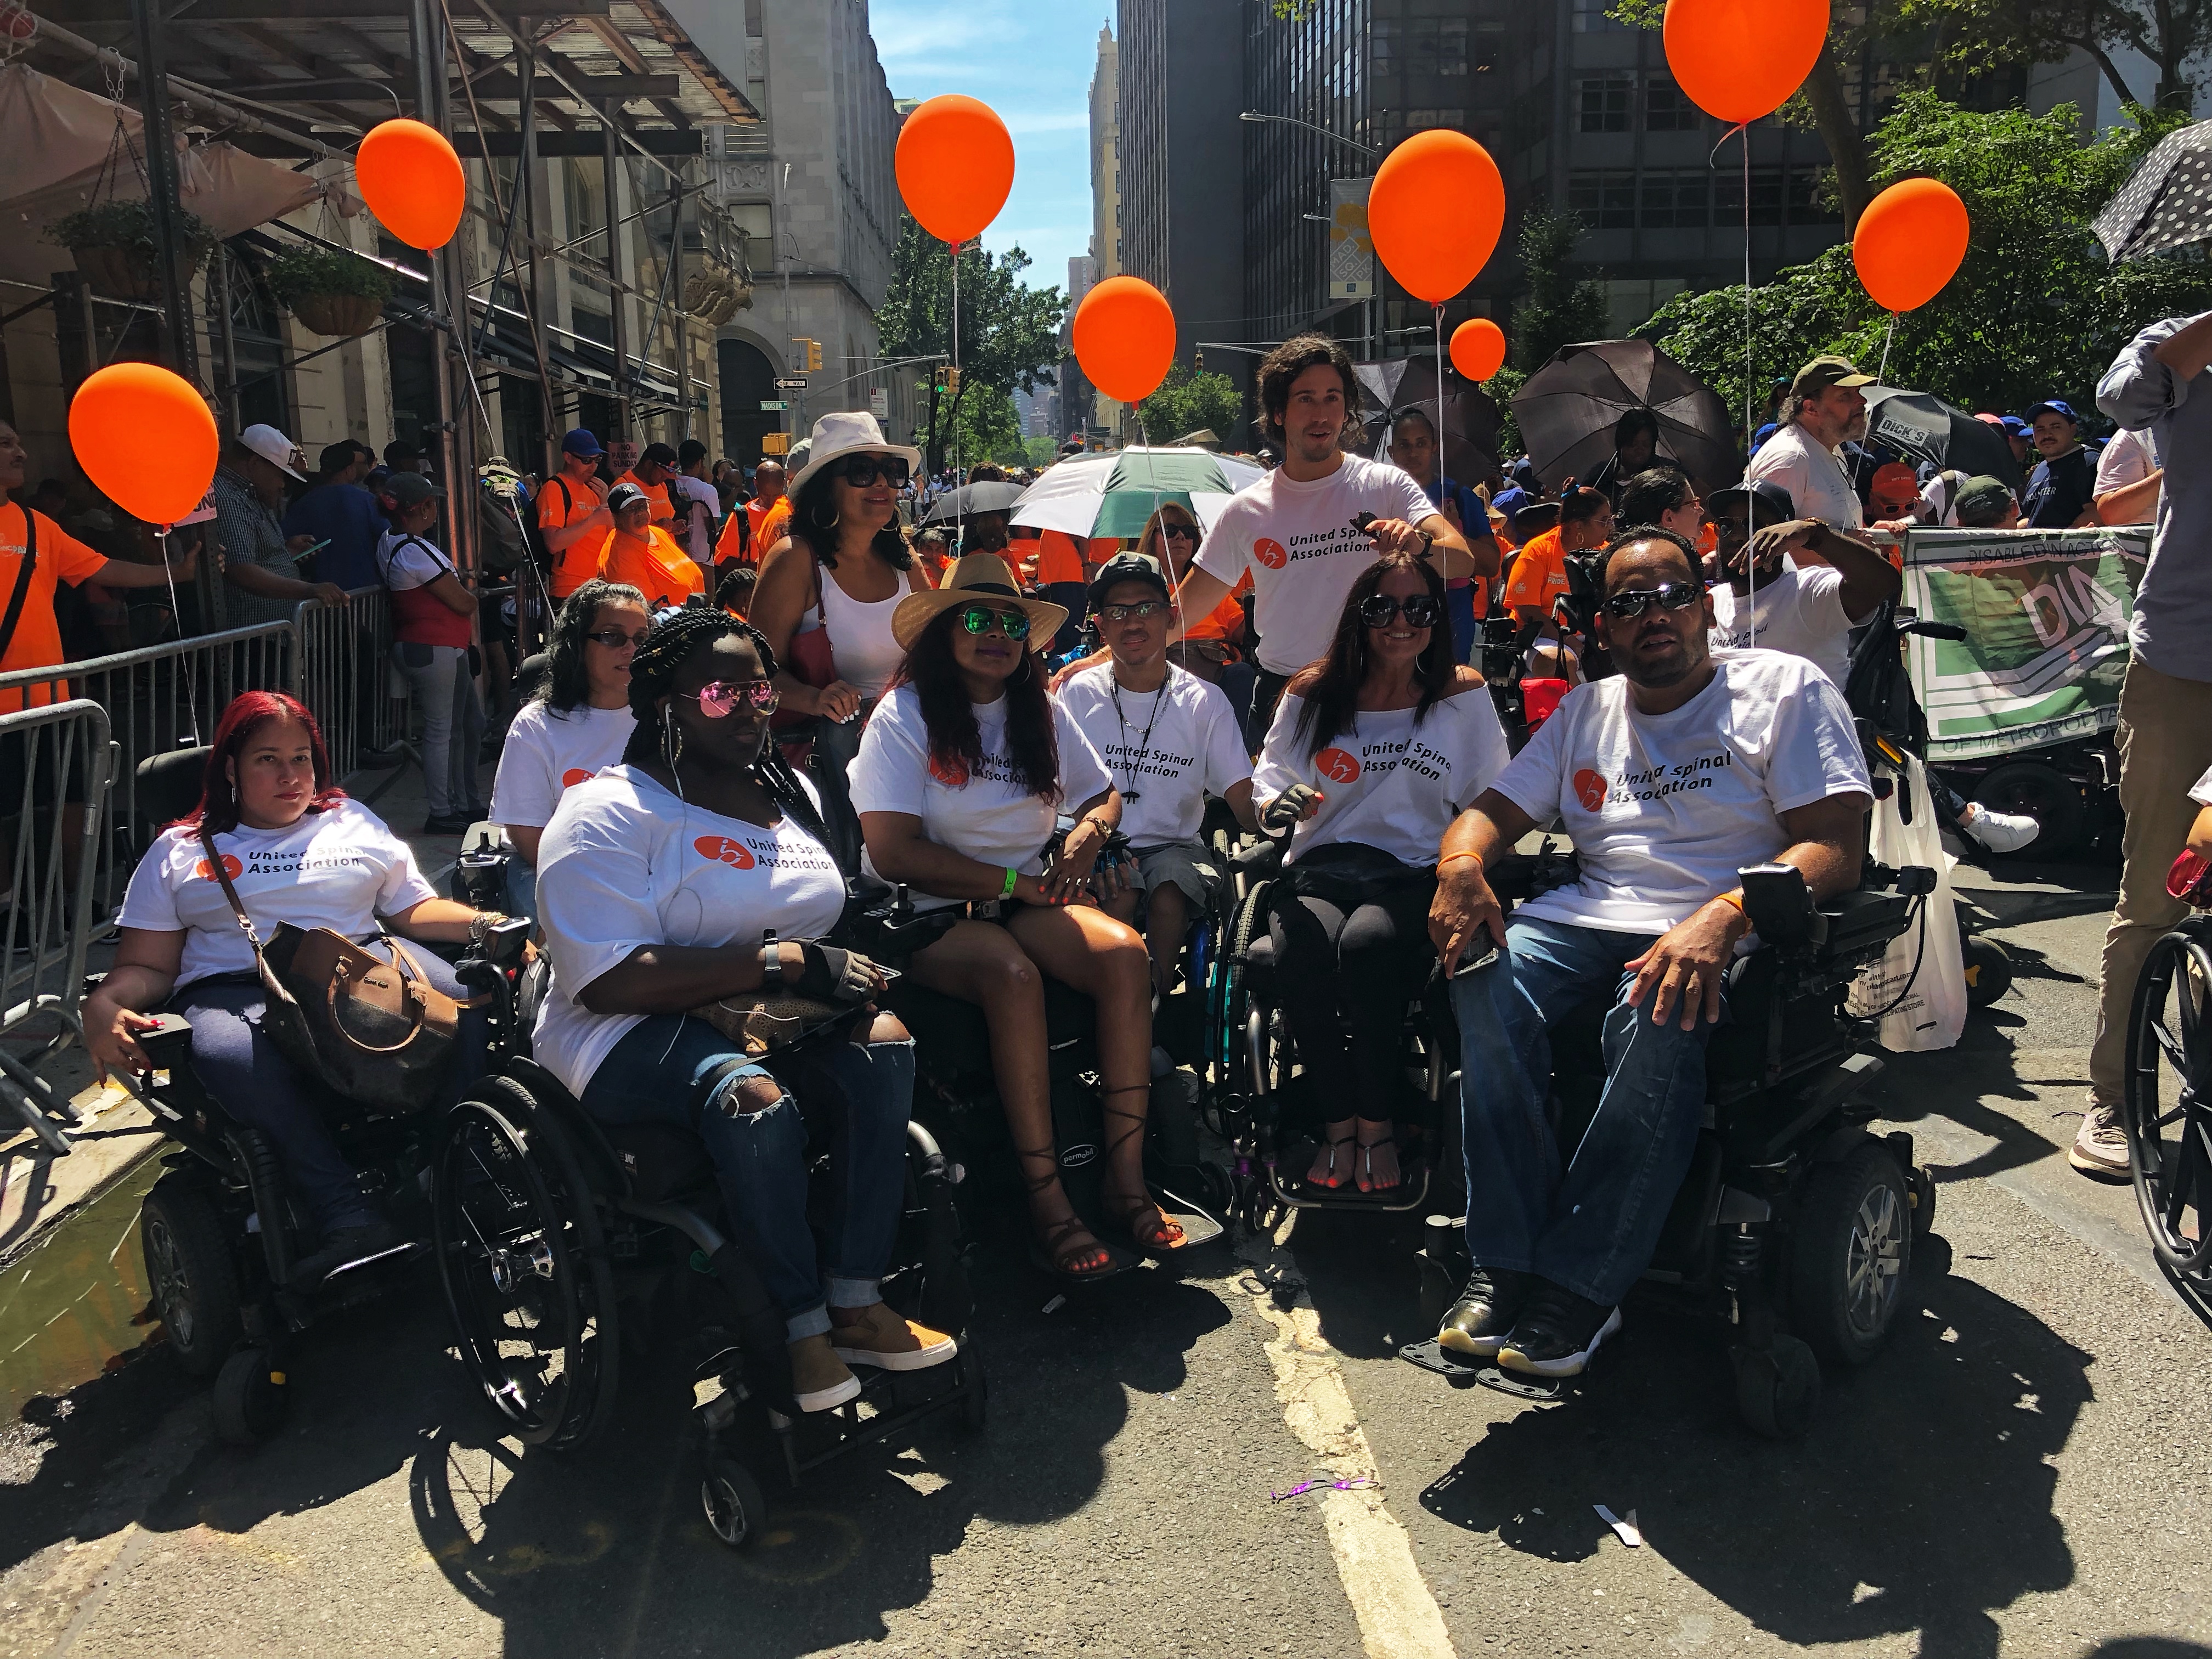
[2025, 1472]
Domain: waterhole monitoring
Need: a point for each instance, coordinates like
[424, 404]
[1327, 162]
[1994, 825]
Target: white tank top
[861, 643]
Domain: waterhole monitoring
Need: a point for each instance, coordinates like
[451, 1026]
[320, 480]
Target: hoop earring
[672, 739]
[831, 523]
[1029, 667]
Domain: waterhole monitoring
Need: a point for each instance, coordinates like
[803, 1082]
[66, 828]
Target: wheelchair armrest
[167, 1042]
[1260, 859]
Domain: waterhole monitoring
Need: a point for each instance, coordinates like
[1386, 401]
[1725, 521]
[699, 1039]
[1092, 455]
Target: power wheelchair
[2167, 1101]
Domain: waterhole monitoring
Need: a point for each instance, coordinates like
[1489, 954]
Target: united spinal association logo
[723, 850]
[1591, 788]
[205, 871]
[575, 776]
[1271, 553]
[1337, 765]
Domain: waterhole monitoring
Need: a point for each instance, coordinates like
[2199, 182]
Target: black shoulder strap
[22, 579]
[567, 501]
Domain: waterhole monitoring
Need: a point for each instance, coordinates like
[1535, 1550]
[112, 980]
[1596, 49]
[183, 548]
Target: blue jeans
[863, 1090]
[1592, 1226]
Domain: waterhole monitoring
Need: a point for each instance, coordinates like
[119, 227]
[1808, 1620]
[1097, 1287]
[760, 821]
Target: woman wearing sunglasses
[961, 777]
[578, 721]
[1211, 643]
[1371, 748]
[662, 878]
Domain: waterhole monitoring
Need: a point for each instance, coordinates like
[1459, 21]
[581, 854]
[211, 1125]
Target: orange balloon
[1125, 338]
[412, 182]
[955, 163]
[1909, 241]
[1477, 348]
[1435, 211]
[146, 438]
[1740, 59]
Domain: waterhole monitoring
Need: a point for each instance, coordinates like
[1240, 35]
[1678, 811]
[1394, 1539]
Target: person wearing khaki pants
[2158, 387]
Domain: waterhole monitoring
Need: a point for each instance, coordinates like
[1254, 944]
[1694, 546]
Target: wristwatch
[1428, 541]
[480, 927]
[771, 960]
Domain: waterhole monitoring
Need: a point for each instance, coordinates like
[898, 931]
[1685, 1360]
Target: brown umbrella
[1568, 409]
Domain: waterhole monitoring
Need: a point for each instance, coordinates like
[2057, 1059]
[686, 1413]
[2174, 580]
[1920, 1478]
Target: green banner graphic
[2046, 614]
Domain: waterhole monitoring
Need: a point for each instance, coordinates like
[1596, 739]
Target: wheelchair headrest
[168, 785]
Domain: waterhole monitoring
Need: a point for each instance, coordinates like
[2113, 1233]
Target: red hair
[248, 712]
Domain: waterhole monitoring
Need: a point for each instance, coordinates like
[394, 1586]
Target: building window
[1676, 199]
[1605, 102]
[1439, 45]
[1590, 17]
[1486, 47]
[1420, 120]
[1603, 200]
[1766, 190]
[1382, 45]
[1807, 204]
[1666, 107]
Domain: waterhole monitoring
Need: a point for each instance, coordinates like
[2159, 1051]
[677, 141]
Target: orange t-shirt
[1062, 558]
[657, 493]
[561, 501]
[1226, 620]
[37, 640]
[651, 563]
[1540, 573]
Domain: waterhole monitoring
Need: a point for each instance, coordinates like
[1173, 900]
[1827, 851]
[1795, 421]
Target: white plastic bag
[1934, 1011]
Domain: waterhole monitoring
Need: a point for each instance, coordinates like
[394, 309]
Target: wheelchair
[2167, 1101]
[1794, 1223]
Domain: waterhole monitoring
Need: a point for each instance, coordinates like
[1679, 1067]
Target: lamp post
[1367, 152]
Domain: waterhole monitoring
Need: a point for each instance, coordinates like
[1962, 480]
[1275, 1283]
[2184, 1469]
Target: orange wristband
[1448, 857]
[1730, 898]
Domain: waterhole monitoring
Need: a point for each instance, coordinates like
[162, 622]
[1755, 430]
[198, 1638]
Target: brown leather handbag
[378, 1033]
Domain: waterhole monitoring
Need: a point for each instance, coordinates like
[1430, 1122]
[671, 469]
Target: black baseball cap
[659, 454]
[1127, 567]
[1760, 494]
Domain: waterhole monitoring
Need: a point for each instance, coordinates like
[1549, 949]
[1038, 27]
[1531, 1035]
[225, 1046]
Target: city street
[2024, 1472]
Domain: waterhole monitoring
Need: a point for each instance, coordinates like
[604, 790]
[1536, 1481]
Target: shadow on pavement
[1920, 1501]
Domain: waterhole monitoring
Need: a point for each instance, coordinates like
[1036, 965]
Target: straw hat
[848, 432]
[979, 575]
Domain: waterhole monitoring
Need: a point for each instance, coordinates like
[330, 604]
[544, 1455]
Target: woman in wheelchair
[579, 722]
[661, 880]
[297, 851]
[958, 783]
[1369, 749]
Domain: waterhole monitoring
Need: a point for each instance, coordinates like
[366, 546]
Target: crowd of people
[753, 698]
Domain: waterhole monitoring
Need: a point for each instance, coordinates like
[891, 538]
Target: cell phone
[313, 547]
[1474, 964]
[1360, 522]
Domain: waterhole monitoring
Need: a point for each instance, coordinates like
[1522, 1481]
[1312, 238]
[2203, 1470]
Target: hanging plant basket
[124, 273]
[113, 244]
[341, 314]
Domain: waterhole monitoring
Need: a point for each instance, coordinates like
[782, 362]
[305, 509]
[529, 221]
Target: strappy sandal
[1052, 1248]
[1333, 1142]
[1367, 1148]
[1139, 1217]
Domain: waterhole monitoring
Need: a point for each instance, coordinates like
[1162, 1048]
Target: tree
[1009, 331]
[1557, 307]
[1191, 398]
[2035, 311]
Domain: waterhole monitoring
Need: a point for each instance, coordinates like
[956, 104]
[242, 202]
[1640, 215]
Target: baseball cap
[1761, 493]
[406, 489]
[2053, 406]
[1764, 434]
[1980, 499]
[1896, 485]
[2016, 427]
[336, 457]
[1826, 371]
[579, 441]
[1127, 567]
[625, 495]
[659, 454]
[274, 447]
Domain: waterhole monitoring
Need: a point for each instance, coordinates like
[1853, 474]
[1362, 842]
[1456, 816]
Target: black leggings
[1352, 972]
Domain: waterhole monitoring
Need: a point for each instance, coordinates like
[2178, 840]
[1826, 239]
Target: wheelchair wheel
[732, 1499]
[1777, 1388]
[2039, 792]
[1989, 969]
[1852, 1247]
[2165, 1107]
[525, 1273]
[250, 1398]
[190, 1271]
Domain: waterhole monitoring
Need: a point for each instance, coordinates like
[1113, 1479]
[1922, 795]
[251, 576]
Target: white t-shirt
[1800, 611]
[547, 753]
[1665, 809]
[1813, 474]
[1296, 541]
[2128, 458]
[1167, 750]
[2201, 791]
[407, 560]
[696, 532]
[987, 817]
[337, 869]
[625, 864]
[1387, 782]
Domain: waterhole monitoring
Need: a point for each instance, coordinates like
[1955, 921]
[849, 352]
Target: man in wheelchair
[1669, 779]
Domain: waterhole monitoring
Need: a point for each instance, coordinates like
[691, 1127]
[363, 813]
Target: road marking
[1397, 1617]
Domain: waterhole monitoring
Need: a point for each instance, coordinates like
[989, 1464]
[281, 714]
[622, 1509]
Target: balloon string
[1750, 383]
[1444, 472]
[177, 619]
[1880, 380]
[959, 503]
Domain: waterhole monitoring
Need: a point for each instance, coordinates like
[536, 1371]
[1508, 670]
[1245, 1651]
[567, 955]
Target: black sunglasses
[614, 639]
[1422, 610]
[1667, 596]
[861, 470]
[1182, 533]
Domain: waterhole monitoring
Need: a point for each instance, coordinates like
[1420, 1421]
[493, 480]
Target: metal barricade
[54, 768]
[157, 699]
[343, 659]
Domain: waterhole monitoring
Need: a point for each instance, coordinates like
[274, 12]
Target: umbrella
[1470, 416]
[2166, 202]
[1112, 494]
[1922, 426]
[1568, 408]
[989, 497]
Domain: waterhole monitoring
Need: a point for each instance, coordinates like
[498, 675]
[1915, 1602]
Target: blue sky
[1030, 60]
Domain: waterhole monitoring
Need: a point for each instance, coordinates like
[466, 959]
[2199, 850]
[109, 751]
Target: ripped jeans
[859, 1093]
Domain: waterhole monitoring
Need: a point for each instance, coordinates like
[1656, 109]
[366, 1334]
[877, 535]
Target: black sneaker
[1485, 1312]
[454, 825]
[1557, 1334]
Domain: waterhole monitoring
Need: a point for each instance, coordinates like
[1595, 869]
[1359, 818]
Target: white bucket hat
[848, 432]
[274, 447]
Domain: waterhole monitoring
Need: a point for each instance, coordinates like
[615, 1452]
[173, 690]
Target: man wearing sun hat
[261, 567]
[640, 554]
[1824, 411]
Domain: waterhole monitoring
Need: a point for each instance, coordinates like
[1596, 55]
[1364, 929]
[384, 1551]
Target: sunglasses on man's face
[719, 698]
[861, 470]
[983, 618]
[1137, 612]
[614, 639]
[1667, 596]
[1422, 610]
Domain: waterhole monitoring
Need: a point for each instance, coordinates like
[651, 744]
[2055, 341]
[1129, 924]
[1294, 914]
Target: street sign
[1350, 248]
[879, 402]
[771, 405]
[791, 383]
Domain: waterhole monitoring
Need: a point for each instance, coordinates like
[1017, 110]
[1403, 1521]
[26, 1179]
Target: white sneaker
[2001, 832]
[2102, 1148]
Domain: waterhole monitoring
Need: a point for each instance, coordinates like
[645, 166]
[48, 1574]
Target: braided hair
[674, 637]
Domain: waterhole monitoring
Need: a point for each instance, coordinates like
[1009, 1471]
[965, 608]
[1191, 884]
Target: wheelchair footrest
[1461, 1373]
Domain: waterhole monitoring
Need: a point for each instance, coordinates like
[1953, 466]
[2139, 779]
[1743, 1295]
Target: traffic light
[810, 353]
[952, 382]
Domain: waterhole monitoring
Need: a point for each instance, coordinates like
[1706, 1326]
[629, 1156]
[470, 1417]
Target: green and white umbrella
[1114, 492]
